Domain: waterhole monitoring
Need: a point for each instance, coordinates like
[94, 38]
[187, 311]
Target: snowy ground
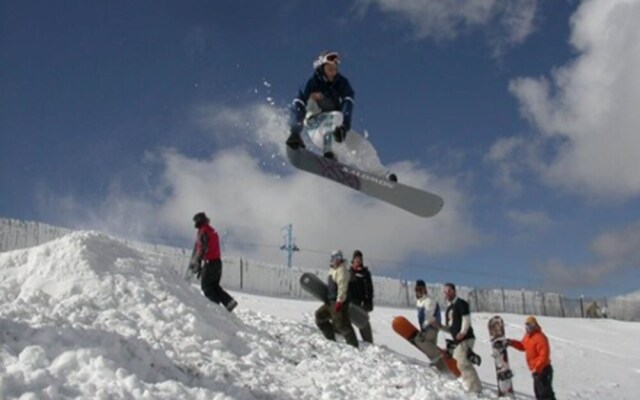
[88, 317]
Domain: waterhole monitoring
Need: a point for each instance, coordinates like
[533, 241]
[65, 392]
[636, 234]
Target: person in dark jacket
[324, 110]
[333, 316]
[206, 262]
[361, 291]
[458, 324]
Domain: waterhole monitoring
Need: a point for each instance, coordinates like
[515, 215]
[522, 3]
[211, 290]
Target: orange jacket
[536, 348]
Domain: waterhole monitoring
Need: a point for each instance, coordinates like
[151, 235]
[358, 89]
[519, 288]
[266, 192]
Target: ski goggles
[328, 58]
[331, 58]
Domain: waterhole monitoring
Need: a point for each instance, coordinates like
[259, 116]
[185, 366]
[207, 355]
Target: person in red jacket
[206, 262]
[537, 352]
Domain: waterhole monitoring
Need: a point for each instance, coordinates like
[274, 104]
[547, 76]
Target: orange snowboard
[440, 358]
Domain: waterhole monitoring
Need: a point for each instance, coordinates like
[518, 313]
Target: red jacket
[207, 244]
[536, 348]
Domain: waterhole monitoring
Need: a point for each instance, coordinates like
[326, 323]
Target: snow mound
[86, 316]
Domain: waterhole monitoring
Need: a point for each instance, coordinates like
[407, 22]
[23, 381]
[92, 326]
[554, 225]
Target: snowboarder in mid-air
[324, 109]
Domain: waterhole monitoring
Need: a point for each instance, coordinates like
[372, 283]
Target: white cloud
[508, 22]
[251, 192]
[587, 110]
[613, 251]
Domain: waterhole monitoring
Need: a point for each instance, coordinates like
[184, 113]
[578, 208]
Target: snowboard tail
[439, 358]
[500, 356]
[415, 201]
[318, 289]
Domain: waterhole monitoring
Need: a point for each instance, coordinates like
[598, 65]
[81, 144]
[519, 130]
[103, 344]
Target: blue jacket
[338, 96]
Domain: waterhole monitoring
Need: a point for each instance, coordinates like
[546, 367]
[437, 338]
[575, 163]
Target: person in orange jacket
[537, 352]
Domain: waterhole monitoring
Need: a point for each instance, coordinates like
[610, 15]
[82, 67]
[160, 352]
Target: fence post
[582, 306]
[544, 306]
[524, 304]
[561, 306]
[241, 273]
[406, 290]
[504, 304]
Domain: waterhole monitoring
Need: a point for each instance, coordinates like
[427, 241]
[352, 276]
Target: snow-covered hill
[87, 317]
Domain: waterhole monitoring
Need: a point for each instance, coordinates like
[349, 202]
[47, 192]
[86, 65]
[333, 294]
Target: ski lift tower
[289, 244]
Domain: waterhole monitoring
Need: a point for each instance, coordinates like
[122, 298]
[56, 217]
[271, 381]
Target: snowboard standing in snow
[316, 287]
[500, 356]
[416, 201]
[440, 358]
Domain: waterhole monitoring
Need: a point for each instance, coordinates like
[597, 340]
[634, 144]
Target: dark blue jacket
[338, 96]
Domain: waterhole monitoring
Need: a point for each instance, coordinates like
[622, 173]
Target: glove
[195, 269]
[338, 306]
[368, 306]
[340, 133]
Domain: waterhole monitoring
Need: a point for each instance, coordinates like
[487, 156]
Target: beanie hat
[531, 320]
[420, 283]
[357, 253]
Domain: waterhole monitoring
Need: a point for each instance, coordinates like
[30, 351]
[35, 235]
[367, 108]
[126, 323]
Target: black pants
[542, 384]
[210, 282]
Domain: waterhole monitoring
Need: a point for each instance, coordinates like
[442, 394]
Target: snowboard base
[500, 356]
[416, 201]
[440, 358]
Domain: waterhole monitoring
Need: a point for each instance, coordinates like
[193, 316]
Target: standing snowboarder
[206, 262]
[333, 316]
[361, 291]
[428, 312]
[537, 352]
[458, 324]
[324, 109]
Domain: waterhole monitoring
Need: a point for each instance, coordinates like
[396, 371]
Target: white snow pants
[355, 150]
[468, 372]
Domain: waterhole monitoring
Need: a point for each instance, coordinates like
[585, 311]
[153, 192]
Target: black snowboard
[416, 201]
[316, 287]
[500, 356]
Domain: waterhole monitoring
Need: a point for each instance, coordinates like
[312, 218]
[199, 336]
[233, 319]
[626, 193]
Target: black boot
[295, 141]
[329, 155]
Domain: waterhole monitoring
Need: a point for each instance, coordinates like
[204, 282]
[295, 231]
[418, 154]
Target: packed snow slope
[87, 317]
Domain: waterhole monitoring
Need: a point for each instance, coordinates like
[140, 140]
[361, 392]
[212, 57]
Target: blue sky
[131, 116]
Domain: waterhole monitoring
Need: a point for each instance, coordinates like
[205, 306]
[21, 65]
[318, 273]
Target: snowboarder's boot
[329, 155]
[295, 141]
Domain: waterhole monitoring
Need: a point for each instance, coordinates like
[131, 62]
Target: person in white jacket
[428, 312]
[333, 316]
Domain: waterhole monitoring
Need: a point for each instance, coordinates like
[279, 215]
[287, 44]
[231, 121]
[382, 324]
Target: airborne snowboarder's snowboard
[416, 201]
[316, 287]
[500, 356]
[440, 358]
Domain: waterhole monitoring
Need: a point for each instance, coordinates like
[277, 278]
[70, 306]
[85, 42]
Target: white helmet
[325, 57]
[336, 255]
